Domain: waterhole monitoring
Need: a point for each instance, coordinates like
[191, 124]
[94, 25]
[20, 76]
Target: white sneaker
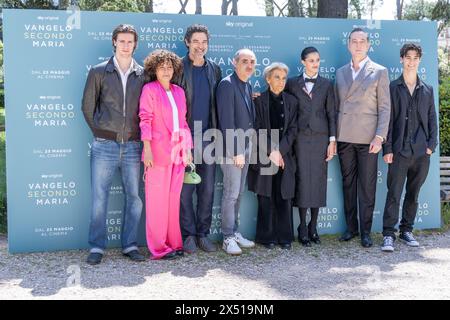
[388, 244]
[244, 243]
[230, 246]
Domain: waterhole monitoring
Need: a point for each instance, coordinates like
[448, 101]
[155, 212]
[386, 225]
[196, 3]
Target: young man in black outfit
[411, 140]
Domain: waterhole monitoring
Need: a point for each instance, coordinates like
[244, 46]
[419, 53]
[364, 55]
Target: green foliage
[444, 116]
[119, 5]
[418, 10]
[358, 8]
[114, 5]
[445, 210]
[444, 63]
[2, 176]
[28, 4]
[1, 73]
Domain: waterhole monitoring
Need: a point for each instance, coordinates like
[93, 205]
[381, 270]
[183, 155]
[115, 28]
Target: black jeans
[414, 170]
[198, 223]
[359, 179]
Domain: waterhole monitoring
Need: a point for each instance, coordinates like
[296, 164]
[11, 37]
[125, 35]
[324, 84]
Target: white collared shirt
[124, 78]
[309, 85]
[361, 66]
[176, 122]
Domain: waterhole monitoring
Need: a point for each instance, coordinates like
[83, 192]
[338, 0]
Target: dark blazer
[427, 134]
[214, 75]
[262, 184]
[318, 111]
[233, 112]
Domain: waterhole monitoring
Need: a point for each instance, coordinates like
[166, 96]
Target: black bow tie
[310, 80]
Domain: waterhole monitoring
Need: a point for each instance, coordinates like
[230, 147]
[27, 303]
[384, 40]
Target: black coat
[262, 184]
[427, 134]
[316, 123]
[319, 112]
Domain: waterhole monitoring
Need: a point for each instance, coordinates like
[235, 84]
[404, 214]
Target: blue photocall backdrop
[48, 55]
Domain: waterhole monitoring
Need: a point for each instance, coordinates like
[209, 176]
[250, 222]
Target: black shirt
[201, 96]
[276, 112]
[412, 120]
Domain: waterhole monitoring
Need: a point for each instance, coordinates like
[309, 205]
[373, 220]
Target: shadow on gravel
[324, 271]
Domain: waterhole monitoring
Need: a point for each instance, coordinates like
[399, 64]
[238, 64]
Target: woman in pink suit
[167, 144]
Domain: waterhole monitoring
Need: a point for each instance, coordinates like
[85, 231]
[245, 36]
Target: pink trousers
[162, 201]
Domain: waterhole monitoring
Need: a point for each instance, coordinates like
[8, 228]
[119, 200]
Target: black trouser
[274, 224]
[414, 171]
[359, 179]
[198, 223]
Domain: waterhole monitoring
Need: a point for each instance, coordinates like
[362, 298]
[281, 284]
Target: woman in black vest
[315, 144]
[272, 178]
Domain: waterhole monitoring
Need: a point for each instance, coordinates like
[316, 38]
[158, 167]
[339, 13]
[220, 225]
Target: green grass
[2, 175]
[445, 210]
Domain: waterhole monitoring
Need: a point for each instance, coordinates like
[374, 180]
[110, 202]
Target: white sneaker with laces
[244, 243]
[388, 244]
[230, 246]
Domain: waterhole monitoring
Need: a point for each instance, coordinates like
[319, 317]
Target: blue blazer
[234, 113]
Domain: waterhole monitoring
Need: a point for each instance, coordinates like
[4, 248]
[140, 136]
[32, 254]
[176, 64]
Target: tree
[441, 13]
[332, 9]
[269, 5]
[29, 4]
[198, 6]
[183, 4]
[226, 4]
[90, 5]
[63, 4]
[400, 4]
[358, 8]
[418, 10]
[1, 64]
[119, 5]
[293, 8]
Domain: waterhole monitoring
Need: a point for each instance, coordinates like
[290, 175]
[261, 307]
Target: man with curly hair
[110, 106]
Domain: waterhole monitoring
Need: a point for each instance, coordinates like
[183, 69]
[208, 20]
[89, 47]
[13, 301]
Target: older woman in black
[273, 177]
[315, 144]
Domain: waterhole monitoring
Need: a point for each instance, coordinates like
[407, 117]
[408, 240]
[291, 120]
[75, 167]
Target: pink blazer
[156, 123]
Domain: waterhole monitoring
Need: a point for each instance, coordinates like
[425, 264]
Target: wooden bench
[445, 178]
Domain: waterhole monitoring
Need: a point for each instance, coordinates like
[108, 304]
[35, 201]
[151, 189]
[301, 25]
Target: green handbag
[192, 177]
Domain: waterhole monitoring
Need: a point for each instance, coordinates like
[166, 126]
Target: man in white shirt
[362, 92]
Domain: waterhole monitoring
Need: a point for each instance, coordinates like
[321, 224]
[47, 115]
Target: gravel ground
[332, 270]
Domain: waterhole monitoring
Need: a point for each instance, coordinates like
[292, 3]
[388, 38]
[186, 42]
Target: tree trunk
[198, 6]
[332, 9]
[234, 8]
[269, 8]
[399, 9]
[63, 4]
[183, 4]
[225, 4]
[357, 5]
[310, 8]
[293, 8]
[149, 6]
